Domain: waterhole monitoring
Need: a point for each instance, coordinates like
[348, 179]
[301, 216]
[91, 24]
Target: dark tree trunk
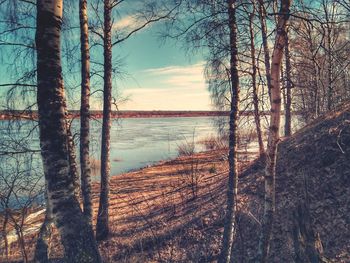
[262, 18]
[270, 170]
[85, 112]
[254, 84]
[307, 245]
[230, 216]
[102, 227]
[76, 234]
[329, 69]
[4, 234]
[21, 242]
[288, 104]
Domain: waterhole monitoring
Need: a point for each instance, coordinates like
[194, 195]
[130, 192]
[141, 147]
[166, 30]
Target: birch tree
[102, 226]
[85, 112]
[42, 247]
[273, 139]
[254, 77]
[263, 25]
[230, 217]
[76, 234]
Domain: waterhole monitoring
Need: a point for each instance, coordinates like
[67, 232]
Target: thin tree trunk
[102, 227]
[288, 104]
[4, 234]
[21, 242]
[262, 18]
[85, 112]
[230, 216]
[329, 70]
[76, 234]
[254, 84]
[270, 170]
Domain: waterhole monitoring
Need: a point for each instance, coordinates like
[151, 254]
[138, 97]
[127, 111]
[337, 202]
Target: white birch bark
[274, 136]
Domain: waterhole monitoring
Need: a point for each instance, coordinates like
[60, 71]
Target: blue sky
[161, 76]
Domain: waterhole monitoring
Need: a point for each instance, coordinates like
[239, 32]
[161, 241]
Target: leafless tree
[255, 91]
[320, 67]
[273, 139]
[149, 12]
[21, 188]
[85, 112]
[76, 234]
[288, 92]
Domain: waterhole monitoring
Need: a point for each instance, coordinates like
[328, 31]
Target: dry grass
[152, 207]
[153, 215]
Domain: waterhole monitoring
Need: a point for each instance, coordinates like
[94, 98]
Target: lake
[139, 142]
[135, 142]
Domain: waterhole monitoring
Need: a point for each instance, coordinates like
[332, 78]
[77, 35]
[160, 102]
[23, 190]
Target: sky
[161, 76]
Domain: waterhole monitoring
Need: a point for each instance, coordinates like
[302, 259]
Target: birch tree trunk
[254, 84]
[102, 227]
[76, 234]
[270, 170]
[230, 216]
[85, 112]
[262, 18]
[42, 248]
[72, 157]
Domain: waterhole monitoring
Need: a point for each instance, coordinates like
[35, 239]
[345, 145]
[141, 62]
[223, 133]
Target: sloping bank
[312, 195]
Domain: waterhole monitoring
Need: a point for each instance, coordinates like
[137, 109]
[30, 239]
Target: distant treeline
[18, 114]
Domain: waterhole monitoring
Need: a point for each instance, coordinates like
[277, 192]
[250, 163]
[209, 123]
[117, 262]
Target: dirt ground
[152, 209]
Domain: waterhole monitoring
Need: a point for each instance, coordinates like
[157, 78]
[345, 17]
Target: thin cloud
[181, 70]
[129, 23]
[125, 23]
[180, 76]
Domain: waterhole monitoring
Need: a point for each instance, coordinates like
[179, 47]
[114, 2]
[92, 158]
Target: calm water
[136, 143]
